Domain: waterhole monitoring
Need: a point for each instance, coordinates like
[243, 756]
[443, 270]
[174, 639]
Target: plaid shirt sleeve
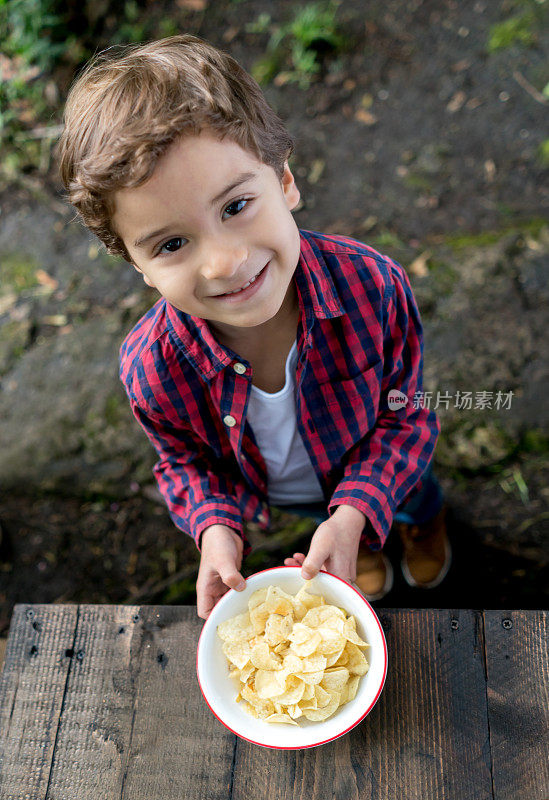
[197, 493]
[384, 467]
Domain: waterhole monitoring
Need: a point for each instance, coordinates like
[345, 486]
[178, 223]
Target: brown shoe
[374, 574]
[427, 553]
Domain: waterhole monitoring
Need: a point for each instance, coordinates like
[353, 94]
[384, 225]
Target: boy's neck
[286, 319]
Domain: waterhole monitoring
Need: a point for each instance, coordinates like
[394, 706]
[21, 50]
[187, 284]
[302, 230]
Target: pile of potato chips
[293, 656]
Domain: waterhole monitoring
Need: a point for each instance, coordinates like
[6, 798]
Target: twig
[532, 91]
[44, 132]
[532, 521]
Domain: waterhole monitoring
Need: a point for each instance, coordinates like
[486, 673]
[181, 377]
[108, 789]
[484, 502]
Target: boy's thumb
[234, 580]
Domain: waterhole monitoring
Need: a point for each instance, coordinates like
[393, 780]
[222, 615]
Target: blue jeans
[422, 507]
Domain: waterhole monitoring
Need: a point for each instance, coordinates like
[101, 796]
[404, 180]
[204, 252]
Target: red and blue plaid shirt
[358, 337]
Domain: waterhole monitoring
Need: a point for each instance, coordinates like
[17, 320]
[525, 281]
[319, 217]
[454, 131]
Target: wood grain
[426, 739]
[517, 661]
[103, 703]
[32, 690]
[179, 749]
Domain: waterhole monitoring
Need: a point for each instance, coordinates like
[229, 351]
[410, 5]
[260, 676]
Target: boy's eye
[236, 207]
[173, 245]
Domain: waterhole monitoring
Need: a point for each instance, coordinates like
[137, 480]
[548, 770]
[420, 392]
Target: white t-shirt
[290, 474]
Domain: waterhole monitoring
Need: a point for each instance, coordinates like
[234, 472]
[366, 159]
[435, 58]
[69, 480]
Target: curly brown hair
[125, 109]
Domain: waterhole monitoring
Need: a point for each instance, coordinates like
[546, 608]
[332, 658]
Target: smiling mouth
[245, 286]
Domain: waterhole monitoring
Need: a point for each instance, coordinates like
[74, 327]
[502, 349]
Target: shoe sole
[387, 586]
[410, 580]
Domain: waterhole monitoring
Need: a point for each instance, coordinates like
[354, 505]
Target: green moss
[181, 592]
[386, 239]
[460, 241]
[535, 441]
[442, 277]
[17, 272]
[415, 180]
[543, 152]
[115, 410]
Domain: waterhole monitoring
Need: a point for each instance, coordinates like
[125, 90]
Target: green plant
[295, 49]
[519, 29]
[543, 153]
[34, 30]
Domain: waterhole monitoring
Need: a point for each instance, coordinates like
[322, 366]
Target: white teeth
[246, 284]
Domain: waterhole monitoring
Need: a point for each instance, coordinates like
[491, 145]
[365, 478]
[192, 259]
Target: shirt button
[240, 368]
[229, 420]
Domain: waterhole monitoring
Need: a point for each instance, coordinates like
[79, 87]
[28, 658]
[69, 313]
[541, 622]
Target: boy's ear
[291, 192]
[145, 277]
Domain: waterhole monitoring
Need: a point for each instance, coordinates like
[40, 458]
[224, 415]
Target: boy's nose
[223, 262]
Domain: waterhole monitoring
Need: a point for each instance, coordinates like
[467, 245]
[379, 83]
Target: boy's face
[211, 236]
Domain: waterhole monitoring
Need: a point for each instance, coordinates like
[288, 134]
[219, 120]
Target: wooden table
[102, 702]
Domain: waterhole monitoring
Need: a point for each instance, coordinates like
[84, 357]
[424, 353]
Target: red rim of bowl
[332, 738]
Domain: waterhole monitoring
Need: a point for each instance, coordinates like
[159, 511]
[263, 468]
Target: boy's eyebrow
[242, 178]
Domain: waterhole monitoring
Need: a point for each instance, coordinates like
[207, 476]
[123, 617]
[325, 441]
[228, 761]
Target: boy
[262, 375]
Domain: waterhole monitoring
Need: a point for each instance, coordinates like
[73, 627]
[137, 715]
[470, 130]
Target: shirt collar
[317, 297]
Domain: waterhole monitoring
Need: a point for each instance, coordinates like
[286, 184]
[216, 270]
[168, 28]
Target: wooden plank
[426, 739]
[129, 722]
[179, 749]
[517, 661]
[32, 687]
[94, 733]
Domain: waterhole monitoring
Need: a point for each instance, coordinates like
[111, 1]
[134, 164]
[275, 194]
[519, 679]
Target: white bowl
[219, 689]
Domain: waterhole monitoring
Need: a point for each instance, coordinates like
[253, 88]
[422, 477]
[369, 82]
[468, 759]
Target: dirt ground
[68, 549]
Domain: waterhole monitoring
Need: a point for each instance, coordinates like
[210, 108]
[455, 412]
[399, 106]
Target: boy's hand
[334, 546]
[220, 562]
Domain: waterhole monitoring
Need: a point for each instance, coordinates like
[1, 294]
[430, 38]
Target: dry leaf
[46, 280]
[456, 102]
[58, 320]
[317, 168]
[489, 170]
[419, 265]
[365, 116]
[192, 5]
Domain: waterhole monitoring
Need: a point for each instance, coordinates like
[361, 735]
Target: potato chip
[319, 714]
[350, 689]
[262, 707]
[313, 663]
[322, 696]
[294, 692]
[293, 657]
[339, 658]
[281, 718]
[357, 663]
[335, 678]
[262, 658]
[349, 631]
[269, 684]
[307, 599]
[332, 641]
[238, 653]
[310, 677]
[304, 640]
[278, 628]
[256, 598]
[236, 629]
[295, 711]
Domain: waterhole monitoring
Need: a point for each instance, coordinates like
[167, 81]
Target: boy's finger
[234, 580]
[204, 606]
[314, 562]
